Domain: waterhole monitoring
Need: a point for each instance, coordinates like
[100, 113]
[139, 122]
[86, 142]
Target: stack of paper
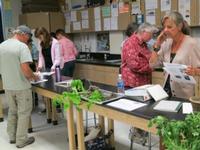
[168, 105]
[139, 93]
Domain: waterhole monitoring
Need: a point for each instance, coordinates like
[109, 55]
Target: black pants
[68, 68]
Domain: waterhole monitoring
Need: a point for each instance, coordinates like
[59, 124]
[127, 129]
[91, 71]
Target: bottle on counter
[120, 85]
[58, 74]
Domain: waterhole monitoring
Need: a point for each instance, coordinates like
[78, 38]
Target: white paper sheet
[73, 16]
[76, 25]
[47, 73]
[106, 24]
[135, 8]
[40, 81]
[97, 24]
[185, 10]
[126, 104]
[97, 13]
[165, 5]
[114, 10]
[151, 4]
[114, 23]
[187, 108]
[85, 24]
[151, 16]
[177, 73]
[84, 14]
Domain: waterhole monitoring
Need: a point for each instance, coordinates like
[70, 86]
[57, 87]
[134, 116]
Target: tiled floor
[49, 137]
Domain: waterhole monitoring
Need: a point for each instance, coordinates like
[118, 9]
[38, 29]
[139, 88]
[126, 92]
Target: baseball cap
[23, 29]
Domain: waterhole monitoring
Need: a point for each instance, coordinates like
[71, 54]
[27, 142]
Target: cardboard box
[50, 20]
[124, 17]
[189, 11]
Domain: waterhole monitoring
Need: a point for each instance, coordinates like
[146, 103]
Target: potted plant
[75, 94]
[179, 135]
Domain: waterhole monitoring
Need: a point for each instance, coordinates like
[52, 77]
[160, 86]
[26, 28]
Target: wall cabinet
[50, 20]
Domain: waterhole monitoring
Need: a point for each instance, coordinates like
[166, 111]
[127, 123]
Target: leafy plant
[75, 96]
[179, 135]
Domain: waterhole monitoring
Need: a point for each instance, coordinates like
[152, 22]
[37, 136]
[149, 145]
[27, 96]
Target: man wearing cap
[15, 71]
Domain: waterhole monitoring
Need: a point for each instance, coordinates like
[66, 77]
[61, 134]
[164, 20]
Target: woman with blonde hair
[174, 45]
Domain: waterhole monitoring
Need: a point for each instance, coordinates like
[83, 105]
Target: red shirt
[135, 62]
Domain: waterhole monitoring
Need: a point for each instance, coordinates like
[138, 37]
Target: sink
[114, 61]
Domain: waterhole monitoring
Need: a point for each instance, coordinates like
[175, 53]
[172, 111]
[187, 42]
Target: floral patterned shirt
[135, 67]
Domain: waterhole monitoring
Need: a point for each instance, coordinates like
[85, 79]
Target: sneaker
[28, 142]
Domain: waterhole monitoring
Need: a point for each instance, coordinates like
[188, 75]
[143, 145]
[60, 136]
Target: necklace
[175, 46]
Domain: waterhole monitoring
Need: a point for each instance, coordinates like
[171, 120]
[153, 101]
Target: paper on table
[39, 81]
[47, 73]
[126, 104]
[187, 108]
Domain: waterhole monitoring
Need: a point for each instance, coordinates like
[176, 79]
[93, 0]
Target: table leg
[54, 114]
[48, 109]
[80, 130]
[1, 111]
[162, 147]
[70, 125]
[102, 124]
[111, 127]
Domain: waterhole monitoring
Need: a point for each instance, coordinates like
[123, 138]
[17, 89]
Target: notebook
[168, 105]
[157, 92]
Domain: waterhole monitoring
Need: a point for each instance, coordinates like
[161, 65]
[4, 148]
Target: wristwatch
[156, 49]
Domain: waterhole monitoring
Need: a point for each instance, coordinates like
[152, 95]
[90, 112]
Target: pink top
[135, 67]
[68, 50]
